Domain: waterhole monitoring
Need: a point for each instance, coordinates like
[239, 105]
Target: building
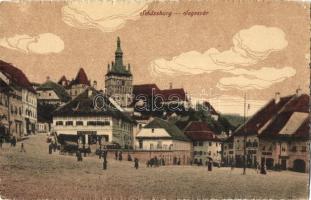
[206, 145]
[163, 139]
[50, 96]
[63, 81]
[251, 130]
[119, 79]
[276, 136]
[91, 121]
[284, 142]
[22, 102]
[52, 93]
[77, 85]
[4, 106]
[29, 98]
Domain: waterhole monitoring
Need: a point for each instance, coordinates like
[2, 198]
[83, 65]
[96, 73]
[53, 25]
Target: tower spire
[119, 55]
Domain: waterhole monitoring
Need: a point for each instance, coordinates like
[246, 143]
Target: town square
[154, 100]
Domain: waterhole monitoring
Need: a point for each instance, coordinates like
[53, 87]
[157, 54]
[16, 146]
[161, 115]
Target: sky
[252, 48]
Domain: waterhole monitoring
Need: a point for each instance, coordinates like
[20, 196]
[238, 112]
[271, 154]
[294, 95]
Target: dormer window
[152, 130]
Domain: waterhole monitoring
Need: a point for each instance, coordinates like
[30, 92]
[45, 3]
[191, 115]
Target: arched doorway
[299, 165]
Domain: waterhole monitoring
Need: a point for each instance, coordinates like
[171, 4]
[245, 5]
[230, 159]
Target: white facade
[29, 106]
[203, 150]
[112, 130]
[159, 139]
[48, 96]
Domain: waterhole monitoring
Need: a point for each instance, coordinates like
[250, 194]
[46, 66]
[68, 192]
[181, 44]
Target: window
[303, 149]
[49, 94]
[294, 149]
[79, 123]
[159, 145]
[200, 143]
[152, 130]
[59, 123]
[209, 153]
[151, 146]
[69, 123]
[210, 143]
[194, 143]
[140, 144]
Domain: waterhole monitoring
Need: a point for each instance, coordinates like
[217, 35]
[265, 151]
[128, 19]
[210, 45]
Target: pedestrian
[136, 163]
[23, 148]
[50, 148]
[1, 142]
[129, 158]
[104, 154]
[116, 155]
[178, 162]
[263, 169]
[120, 156]
[100, 152]
[54, 146]
[209, 165]
[14, 141]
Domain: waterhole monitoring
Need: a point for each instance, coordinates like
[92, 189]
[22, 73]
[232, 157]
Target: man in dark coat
[136, 163]
[120, 156]
[209, 165]
[50, 148]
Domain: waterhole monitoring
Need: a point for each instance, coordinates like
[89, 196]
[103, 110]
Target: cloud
[190, 63]
[250, 46]
[45, 43]
[107, 16]
[255, 79]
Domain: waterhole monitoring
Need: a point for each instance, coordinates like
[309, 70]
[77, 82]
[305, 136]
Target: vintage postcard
[128, 99]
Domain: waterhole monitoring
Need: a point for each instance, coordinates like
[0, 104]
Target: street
[38, 175]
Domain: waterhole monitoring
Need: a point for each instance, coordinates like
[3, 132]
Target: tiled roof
[81, 78]
[260, 119]
[145, 89]
[16, 76]
[83, 105]
[174, 94]
[63, 79]
[200, 131]
[58, 89]
[170, 128]
[291, 121]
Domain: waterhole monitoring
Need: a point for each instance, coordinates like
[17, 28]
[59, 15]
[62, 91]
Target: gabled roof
[16, 76]
[81, 78]
[145, 89]
[58, 89]
[260, 119]
[291, 121]
[83, 105]
[170, 128]
[200, 131]
[173, 94]
[211, 108]
[63, 79]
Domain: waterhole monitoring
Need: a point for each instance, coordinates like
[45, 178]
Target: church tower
[119, 79]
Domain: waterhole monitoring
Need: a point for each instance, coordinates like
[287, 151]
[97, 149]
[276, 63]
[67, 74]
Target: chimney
[47, 78]
[108, 67]
[298, 92]
[129, 67]
[171, 85]
[277, 97]
[95, 85]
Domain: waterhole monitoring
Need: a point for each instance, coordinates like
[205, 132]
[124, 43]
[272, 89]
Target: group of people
[102, 153]
[155, 162]
[13, 142]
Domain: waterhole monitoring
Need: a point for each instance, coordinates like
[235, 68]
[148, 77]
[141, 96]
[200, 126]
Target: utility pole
[244, 146]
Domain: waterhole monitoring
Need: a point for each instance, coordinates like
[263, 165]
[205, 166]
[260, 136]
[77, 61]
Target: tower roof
[117, 67]
[81, 78]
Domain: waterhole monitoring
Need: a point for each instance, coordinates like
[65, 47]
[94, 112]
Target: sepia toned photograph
[154, 99]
